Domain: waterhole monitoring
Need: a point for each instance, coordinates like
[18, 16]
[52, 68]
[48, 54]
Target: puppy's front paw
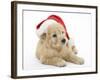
[80, 61]
[61, 63]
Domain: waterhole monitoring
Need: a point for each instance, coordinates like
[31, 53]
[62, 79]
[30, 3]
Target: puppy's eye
[54, 35]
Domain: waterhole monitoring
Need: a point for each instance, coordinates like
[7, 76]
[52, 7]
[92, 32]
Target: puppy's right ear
[43, 36]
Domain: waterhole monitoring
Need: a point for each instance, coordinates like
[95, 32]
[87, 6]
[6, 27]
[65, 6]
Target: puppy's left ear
[43, 36]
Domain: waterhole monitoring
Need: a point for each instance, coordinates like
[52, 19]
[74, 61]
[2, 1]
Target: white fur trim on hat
[44, 26]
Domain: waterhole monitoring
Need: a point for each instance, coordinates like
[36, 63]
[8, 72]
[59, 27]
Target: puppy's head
[55, 36]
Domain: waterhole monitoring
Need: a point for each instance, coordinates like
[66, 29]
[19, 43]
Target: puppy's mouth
[57, 47]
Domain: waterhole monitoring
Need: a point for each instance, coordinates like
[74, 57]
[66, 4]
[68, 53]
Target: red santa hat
[42, 27]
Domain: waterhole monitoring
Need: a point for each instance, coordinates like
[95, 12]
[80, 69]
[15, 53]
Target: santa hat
[42, 27]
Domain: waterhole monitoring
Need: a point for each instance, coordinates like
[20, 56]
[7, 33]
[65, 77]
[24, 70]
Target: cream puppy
[52, 48]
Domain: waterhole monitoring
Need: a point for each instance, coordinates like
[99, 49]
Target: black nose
[63, 40]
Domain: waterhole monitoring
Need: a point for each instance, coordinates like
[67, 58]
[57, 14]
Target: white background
[78, 25]
[5, 41]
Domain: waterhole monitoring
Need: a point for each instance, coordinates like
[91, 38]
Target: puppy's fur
[52, 48]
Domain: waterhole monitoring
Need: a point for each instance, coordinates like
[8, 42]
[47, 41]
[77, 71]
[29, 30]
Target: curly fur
[52, 51]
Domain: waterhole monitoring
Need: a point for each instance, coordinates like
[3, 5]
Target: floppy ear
[43, 36]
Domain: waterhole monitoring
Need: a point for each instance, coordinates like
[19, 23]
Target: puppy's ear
[43, 36]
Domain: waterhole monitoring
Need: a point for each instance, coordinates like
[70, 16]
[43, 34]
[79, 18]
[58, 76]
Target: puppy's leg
[69, 56]
[56, 61]
[75, 59]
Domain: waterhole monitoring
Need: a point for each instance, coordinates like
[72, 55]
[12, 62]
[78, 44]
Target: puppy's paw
[80, 61]
[61, 63]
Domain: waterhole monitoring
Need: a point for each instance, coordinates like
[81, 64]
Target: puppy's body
[52, 49]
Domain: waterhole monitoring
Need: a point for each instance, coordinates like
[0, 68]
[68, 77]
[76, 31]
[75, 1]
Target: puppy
[52, 48]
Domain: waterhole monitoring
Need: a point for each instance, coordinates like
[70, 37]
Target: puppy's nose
[63, 40]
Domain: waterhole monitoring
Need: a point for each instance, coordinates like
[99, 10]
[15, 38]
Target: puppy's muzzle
[63, 40]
